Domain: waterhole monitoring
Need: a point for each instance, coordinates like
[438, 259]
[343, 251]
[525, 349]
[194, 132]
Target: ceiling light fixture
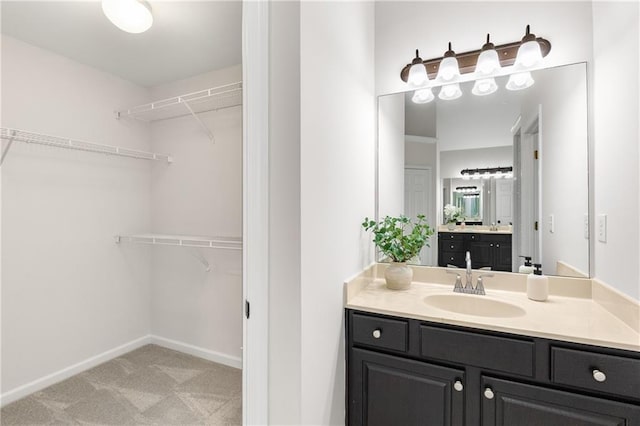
[486, 62]
[132, 16]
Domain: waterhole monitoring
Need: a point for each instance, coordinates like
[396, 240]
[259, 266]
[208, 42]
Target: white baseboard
[51, 379]
[220, 358]
[65, 373]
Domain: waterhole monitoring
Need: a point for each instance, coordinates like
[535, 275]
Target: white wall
[284, 215]
[68, 291]
[615, 104]
[338, 112]
[391, 147]
[402, 27]
[199, 194]
[420, 119]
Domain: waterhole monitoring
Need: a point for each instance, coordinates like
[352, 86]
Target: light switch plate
[602, 228]
[586, 226]
[551, 224]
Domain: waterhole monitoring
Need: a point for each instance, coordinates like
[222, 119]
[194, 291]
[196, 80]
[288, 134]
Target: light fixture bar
[467, 61]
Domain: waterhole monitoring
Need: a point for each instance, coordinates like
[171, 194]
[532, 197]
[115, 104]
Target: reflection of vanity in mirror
[514, 163]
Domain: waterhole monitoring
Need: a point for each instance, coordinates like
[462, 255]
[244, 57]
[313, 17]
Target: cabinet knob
[497, 245]
[451, 246]
[599, 376]
[457, 385]
[491, 245]
[377, 333]
[488, 393]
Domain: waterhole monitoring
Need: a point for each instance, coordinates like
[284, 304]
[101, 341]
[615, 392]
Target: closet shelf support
[200, 122]
[5, 149]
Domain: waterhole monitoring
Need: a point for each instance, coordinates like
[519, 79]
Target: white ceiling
[187, 37]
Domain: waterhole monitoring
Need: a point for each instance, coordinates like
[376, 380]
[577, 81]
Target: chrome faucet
[468, 286]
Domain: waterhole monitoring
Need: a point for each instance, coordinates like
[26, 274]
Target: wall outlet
[551, 223]
[586, 226]
[602, 228]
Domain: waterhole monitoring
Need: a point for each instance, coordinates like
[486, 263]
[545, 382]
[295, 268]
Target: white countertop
[574, 319]
[475, 229]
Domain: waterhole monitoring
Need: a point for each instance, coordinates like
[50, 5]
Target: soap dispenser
[527, 268]
[537, 284]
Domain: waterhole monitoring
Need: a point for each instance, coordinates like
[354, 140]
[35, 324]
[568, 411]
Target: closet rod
[12, 135]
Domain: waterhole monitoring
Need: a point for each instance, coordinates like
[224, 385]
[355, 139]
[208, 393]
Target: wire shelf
[13, 135]
[225, 243]
[212, 99]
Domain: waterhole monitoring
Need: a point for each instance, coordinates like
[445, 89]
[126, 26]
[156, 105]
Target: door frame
[433, 190]
[255, 212]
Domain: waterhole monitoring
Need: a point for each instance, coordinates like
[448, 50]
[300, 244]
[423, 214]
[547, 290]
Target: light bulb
[529, 53]
[132, 16]
[448, 71]
[520, 81]
[483, 87]
[450, 92]
[488, 61]
[423, 96]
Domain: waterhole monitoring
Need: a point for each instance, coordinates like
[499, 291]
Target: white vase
[451, 226]
[398, 276]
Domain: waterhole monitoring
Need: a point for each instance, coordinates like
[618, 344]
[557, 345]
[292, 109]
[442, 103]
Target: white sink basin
[476, 305]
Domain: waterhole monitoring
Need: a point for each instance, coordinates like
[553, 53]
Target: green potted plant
[400, 239]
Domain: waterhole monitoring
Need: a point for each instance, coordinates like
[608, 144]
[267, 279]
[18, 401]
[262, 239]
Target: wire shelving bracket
[12, 135]
[212, 99]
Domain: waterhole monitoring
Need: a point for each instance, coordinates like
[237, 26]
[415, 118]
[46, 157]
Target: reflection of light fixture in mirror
[488, 61]
[417, 73]
[487, 172]
[423, 96]
[132, 16]
[466, 188]
[448, 70]
[520, 81]
[529, 53]
[483, 87]
[450, 92]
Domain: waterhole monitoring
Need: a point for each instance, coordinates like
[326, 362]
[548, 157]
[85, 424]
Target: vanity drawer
[619, 375]
[450, 236]
[380, 332]
[452, 245]
[479, 350]
[452, 258]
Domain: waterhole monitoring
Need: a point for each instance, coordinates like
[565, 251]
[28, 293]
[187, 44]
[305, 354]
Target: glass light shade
[488, 62]
[448, 70]
[450, 92]
[485, 86]
[418, 75]
[132, 16]
[520, 81]
[529, 55]
[423, 96]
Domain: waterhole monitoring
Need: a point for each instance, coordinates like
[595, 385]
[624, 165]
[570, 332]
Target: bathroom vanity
[489, 249]
[414, 358]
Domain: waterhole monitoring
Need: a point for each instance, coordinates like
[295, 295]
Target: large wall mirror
[513, 164]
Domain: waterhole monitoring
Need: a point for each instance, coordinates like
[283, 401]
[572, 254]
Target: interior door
[504, 201]
[418, 199]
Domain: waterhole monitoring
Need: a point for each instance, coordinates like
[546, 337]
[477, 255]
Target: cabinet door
[503, 256]
[385, 390]
[482, 254]
[507, 403]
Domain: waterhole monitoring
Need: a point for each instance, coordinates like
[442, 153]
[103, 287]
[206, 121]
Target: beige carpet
[149, 386]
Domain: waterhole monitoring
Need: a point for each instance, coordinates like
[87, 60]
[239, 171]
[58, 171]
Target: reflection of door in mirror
[417, 200]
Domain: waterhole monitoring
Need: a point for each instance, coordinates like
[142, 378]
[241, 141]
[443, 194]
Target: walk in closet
[121, 215]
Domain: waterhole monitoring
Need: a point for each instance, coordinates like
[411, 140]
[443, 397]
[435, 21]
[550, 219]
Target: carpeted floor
[149, 386]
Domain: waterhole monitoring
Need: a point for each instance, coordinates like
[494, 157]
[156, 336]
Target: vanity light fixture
[448, 71]
[487, 172]
[132, 16]
[418, 73]
[523, 55]
[423, 96]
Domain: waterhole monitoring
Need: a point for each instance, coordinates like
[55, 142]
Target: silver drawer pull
[488, 393]
[599, 376]
[377, 333]
[457, 385]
